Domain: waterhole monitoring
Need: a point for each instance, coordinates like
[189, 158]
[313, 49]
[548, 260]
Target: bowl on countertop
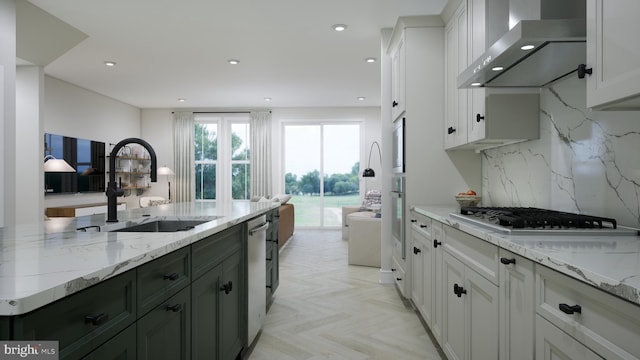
[468, 200]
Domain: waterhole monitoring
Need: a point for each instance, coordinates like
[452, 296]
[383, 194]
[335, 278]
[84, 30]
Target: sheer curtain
[183, 156]
[260, 153]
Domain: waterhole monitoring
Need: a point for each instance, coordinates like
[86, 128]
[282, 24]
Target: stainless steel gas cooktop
[526, 220]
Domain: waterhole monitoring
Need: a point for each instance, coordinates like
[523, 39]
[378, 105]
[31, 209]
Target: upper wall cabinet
[398, 73]
[613, 55]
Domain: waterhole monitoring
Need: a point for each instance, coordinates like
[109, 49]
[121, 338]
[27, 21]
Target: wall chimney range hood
[547, 43]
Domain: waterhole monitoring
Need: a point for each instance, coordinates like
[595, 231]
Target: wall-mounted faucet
[112, 188]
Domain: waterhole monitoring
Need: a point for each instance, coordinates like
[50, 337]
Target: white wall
[7, 111]
[157, 130]
[77, 112]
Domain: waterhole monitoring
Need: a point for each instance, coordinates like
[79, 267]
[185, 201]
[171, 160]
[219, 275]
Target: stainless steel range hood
[559, 46]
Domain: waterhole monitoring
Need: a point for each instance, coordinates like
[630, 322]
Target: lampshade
[163, 170]
[368, 172]
[51, 164]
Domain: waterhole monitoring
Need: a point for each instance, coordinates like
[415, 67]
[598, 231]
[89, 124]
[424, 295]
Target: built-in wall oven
[398, 212]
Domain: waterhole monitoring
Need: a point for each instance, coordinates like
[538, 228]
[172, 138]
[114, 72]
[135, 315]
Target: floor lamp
[163, 170]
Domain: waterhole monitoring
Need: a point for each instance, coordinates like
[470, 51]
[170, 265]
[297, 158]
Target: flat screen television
[86, 156]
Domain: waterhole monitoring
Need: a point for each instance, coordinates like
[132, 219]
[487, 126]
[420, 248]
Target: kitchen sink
[162, 225]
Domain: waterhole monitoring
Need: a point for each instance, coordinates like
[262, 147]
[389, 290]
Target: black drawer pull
[423, 226]
[416, 251]
[399, 279]
[96, 319]
[458, 290]
[479, 117]
[174, 308]
[414, 220]
[568, 309]
[583, 70]
[392, 269]
[436, 243]
[507, 261]
[451, 130]
[172, 276]
[268, 259]
[227, 287]
[394, 103]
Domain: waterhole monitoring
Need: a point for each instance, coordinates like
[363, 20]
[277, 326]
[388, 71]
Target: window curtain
[183, 156]
[260, 162]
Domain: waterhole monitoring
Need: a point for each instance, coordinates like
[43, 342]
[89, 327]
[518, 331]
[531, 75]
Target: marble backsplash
[585, 161]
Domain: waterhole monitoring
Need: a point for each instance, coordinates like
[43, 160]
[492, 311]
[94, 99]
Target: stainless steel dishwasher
[256, 275]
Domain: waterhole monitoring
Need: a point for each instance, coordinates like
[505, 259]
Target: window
[222, 157]
[321, 165]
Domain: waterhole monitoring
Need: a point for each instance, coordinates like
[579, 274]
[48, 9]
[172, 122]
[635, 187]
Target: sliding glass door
[321, 164]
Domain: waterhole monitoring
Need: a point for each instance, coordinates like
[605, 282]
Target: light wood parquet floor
[327, 309]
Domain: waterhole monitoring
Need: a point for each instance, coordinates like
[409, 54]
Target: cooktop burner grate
[526, 217]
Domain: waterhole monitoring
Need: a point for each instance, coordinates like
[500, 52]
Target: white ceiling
[170, 49]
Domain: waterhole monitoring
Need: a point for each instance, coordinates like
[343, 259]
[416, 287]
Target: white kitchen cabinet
[455, 61]
[471, 313]
[398, 76]
[602, 323]
[437, 287]
[421, 266]
[470, 290]
[552, 343]
[517, 306]
[613, 55]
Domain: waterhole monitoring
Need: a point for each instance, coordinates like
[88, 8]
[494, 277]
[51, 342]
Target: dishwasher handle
[259, 228]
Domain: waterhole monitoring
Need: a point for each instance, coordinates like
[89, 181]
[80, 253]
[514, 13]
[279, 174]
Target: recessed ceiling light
[110, 63]
[267, 99]
[234, 61]
[361, 98]
[527, 47]
[370, 60]
[497, 68]
[339, 27]
[476, 84]
[182, 100]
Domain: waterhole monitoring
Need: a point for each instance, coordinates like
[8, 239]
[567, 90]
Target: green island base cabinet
[482, 301]
[188, 304]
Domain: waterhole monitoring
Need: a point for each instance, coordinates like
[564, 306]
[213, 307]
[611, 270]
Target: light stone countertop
[608, 262]
[44, 262]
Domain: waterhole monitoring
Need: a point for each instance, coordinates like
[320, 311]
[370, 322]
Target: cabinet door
[613, 54]
[417, 273]
[205, 294]
[398, 73]
[232, 317]
[120, 347]
[437, 287]
[481, 317]
[453, 335]
[553, 343]
[456, 59]
[165, 332]
[517, 307]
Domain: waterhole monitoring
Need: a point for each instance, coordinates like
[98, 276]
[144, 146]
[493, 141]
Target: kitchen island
[105, 293]
[525, 296]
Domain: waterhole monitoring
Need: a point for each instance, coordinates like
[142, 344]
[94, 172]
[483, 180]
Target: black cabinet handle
[414, 220]
[451, 130]
[96, 319]
[570, 309]
[227, 287]
[172, 276]
[268, 259]
[416, 251]
[399, 279]
[394, 103]
[174, 308]
[392, 269]
[582, 71]
[507, 261]
[436, 243]
[423, 226]
[458, 290]
[478, 117]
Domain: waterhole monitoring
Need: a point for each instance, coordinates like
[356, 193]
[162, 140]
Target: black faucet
[112, 188]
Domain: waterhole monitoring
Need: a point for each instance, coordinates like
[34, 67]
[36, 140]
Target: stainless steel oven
[398, 146]
[398, 212]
